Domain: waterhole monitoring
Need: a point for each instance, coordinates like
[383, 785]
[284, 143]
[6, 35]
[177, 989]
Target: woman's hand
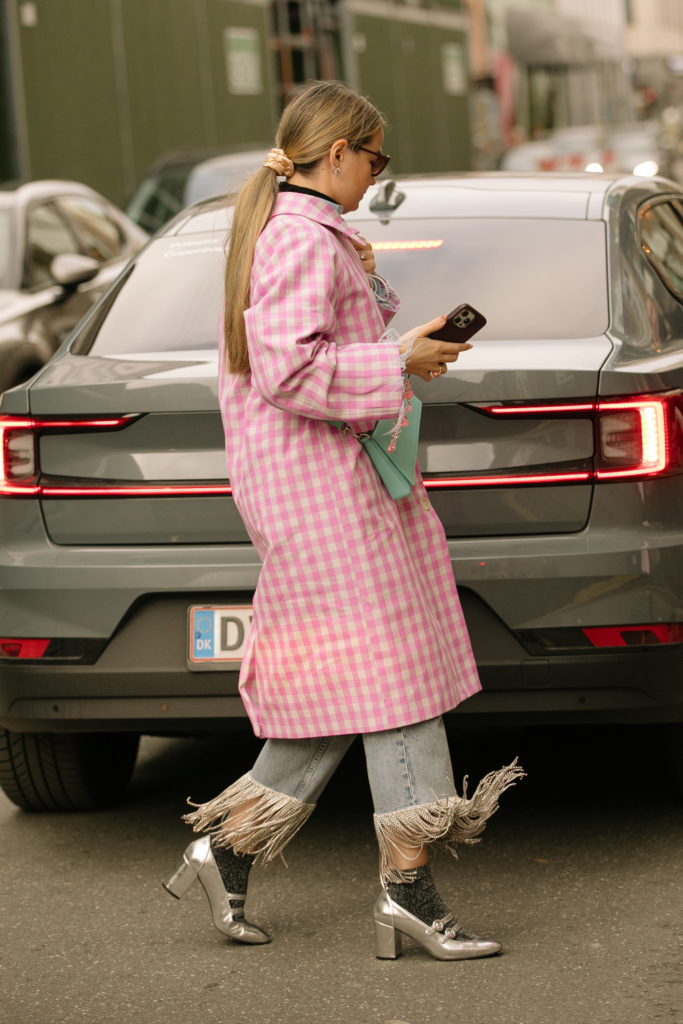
[367, 256]
[427, 357]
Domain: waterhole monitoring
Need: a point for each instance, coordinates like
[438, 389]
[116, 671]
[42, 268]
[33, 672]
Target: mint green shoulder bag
[397, 468]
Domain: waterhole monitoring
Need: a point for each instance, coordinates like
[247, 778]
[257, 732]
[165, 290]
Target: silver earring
[337, 170]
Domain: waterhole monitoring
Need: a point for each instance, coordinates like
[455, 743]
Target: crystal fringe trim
[446, 821]
[264, 830]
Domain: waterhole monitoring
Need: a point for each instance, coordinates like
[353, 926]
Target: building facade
[96, 90]
[549, 64]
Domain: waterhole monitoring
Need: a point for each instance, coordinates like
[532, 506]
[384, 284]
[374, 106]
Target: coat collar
[299, 204]
[285, 186]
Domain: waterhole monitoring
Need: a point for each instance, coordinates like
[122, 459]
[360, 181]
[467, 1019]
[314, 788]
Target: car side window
[158, 198]
[47, 235]
[661, 239]
[99, 234]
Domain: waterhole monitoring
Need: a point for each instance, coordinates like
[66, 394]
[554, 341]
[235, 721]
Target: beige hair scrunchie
[279, 162]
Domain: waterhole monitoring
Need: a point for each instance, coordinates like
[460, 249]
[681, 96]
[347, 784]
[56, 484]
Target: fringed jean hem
[414, 796]
[444, 822]
[264, 830]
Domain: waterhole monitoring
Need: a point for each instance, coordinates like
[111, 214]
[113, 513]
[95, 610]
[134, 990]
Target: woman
[357, 625]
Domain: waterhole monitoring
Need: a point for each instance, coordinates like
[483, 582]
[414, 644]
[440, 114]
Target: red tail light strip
[636, 438]
[134, 491]
[549, 409]
[45, 423]
[225, 490]
[507, 480]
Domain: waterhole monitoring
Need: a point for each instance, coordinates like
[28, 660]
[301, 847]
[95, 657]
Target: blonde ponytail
[322, 113]
[252, 212]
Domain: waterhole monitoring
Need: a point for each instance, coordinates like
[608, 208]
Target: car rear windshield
[530, 278]
[169, 300]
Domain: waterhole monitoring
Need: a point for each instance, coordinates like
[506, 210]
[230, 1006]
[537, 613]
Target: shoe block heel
[180, 880]
[387, 941]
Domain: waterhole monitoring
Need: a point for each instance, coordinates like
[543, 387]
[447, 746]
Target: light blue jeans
[406, 767]
[410, 774]
[414, 796]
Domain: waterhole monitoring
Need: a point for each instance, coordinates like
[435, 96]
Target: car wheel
[66, 771]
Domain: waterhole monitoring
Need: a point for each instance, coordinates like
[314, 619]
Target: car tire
[66, 771]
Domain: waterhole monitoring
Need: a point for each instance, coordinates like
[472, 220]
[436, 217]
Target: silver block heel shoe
[198, 862]
[440, 939]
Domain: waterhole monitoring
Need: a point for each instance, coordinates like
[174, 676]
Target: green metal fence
[95, 90]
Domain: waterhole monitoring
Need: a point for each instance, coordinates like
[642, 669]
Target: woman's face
[355, 173]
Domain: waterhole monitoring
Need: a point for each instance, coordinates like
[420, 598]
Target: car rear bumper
[132, 604]
[64, 706]
[141, 681]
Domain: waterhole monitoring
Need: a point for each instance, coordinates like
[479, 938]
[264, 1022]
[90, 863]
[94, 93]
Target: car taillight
[639, 437]
[18, 462]
[636, 437]
[19, 436]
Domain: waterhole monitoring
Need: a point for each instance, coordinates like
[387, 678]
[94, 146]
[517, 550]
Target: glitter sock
[419, 896]
[234, 870]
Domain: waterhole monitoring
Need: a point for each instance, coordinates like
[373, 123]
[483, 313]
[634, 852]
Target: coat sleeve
[292, 331]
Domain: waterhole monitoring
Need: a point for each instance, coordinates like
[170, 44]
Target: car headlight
[646, 169]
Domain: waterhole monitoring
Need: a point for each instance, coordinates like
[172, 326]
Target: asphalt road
[579, 876]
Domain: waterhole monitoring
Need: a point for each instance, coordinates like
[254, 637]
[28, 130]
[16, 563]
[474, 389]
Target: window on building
[306, 43]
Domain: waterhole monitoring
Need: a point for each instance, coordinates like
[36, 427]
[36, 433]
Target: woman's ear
[337, 152]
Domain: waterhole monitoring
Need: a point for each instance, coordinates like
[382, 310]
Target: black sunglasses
[380, 162]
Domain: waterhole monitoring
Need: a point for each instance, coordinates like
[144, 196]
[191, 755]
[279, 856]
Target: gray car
[178, 179]
[552, 452]
[61, 247]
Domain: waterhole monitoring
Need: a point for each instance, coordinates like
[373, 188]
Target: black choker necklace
[285, 186]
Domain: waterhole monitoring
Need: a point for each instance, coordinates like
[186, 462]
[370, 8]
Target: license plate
[217, 635]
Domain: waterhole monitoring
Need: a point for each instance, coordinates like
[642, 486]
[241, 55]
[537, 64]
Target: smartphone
[461, 324]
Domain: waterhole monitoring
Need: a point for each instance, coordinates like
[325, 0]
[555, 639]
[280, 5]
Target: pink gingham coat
[357, 623]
